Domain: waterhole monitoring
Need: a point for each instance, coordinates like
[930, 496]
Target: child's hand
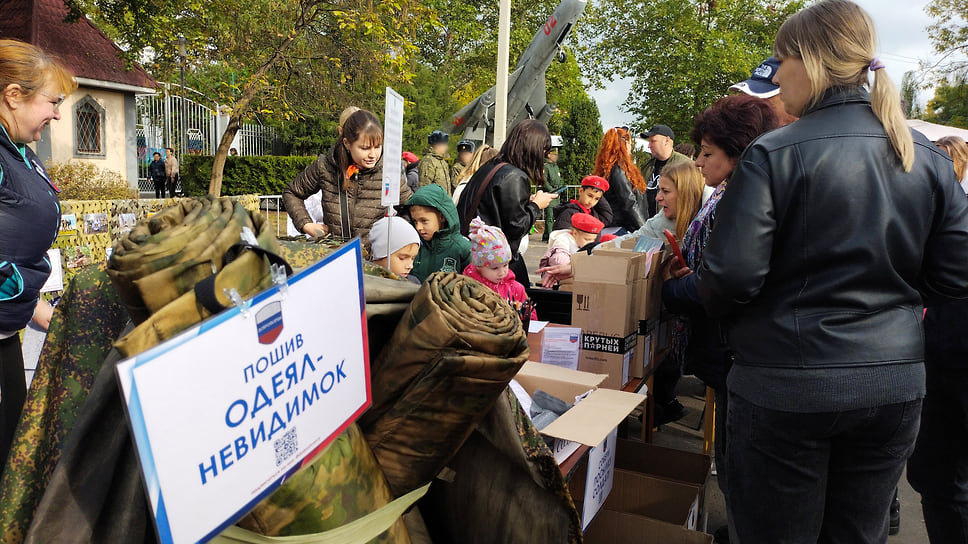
[543, 199]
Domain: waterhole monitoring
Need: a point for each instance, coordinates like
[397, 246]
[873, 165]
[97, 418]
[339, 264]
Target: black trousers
[159, 187]
[172, 184]
[520, 270]
[13, 392]
[826, 477]
[938, 469]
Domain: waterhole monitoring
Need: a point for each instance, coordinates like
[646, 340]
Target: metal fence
[180, 119]
[271, 207]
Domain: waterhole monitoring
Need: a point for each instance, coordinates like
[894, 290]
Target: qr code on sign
[286, 446]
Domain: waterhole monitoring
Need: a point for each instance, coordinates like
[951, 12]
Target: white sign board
[392, 148]
[55, 282]
[224, 412]
[601, 476]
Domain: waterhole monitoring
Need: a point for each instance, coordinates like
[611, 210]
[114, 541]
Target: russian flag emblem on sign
[269, 322]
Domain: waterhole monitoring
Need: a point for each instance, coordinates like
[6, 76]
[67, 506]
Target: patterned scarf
[693, 243]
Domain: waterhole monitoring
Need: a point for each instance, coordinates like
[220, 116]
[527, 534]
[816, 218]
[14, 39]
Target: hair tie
[876, 64]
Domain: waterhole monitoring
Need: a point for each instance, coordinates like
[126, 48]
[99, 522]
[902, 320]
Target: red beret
[586, 223]
[410, 157]
[597, 182]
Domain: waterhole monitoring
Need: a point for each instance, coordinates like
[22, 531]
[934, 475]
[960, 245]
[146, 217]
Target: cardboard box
[669, 464]
[605, 308]
[611, 527]
[648, 496]
[642, 363]
[554, 344]
[610, 355]
[592, 419]
[592, 422]
[617, 266]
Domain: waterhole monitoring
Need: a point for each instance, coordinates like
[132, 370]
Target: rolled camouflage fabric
[505, 472]
[452, 354]
[96, 492]
[338, 487]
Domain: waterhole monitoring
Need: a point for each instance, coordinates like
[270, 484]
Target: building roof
[81, 46]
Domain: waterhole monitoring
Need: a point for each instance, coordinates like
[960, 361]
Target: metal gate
[177, 118]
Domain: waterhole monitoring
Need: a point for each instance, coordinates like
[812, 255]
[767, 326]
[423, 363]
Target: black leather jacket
[824, 248]
[630, 208]
[506, 202]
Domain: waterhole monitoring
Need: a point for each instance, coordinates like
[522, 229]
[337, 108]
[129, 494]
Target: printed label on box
[608, 344]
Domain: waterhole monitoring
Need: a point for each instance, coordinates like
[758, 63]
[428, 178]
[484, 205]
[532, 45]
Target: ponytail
[886, 103]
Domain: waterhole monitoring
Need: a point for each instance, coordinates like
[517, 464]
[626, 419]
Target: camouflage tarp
[505, 486]
[96, 493]
[451, 356]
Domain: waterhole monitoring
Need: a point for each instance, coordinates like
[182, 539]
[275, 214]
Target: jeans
[160, 187]
[816, 477]
[938, 469]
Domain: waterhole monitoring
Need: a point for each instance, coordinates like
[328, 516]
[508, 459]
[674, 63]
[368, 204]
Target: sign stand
[392, 148]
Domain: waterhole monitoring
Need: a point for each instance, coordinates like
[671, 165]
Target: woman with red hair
[626, 187]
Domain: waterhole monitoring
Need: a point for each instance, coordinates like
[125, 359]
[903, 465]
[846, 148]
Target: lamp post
[501, 100]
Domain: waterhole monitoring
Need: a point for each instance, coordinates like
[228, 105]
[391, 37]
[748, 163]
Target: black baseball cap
[659, 130]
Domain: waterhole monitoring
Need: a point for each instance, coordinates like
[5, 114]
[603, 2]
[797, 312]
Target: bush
[81, 180]
[242, 175]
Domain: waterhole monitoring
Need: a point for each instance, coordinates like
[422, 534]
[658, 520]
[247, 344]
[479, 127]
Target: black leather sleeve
[944, 275]
[624, 201]
[511, 196]
[736, 258]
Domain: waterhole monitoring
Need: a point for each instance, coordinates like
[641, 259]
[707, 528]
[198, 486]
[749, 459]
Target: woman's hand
[543, 199]
[42, 314]
[556, 273]
[315, 230]
[672, 270]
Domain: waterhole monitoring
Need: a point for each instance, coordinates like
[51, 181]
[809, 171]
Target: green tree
[288, 59]
[949, 32]
[950, 103]
[682, 54]
[909, 95]
[582, 131]
[429, 102]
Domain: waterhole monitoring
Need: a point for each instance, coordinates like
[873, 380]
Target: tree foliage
[949, 32]
[287, 58]
[909, 95]
[581, 129]
[682, 54]
[950, 103]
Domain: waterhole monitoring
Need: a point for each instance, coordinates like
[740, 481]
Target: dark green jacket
[448, 250]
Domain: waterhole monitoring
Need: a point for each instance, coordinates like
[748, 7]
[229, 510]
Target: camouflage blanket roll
[96, 492]
[505, 486]
[452, 354]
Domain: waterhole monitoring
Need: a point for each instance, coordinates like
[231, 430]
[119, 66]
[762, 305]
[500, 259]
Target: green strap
[360, 531]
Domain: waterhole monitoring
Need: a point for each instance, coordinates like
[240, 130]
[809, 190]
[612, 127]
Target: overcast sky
[902, 41]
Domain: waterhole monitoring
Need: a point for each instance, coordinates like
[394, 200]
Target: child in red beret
[589, 202]
[563, 243]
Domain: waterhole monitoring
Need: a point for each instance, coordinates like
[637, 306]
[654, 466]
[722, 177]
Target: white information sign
[55, 282]
[601, 475]
[223, 413]
[392, 148]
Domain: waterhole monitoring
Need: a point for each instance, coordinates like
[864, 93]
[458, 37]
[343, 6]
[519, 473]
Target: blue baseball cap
[760, 84]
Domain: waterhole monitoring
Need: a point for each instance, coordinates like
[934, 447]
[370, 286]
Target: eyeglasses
[59, 99]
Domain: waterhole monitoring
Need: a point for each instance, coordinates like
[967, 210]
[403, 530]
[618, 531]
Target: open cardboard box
[649, 496]
[610, 527]
[590, 421]
[560, 344]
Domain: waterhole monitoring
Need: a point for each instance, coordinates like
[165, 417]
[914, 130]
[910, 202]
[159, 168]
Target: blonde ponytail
[836, 41]
[886, 103]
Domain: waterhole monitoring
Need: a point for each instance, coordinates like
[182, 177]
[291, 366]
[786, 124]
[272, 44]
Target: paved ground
[687, 435]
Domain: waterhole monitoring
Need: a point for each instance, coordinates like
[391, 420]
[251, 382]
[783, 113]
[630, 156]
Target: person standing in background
[33, 86]
[156, 171]
[760, 84]
[552, 183]
[662, 148]
[171, 171]
[465, 151]
[957, 149]
[433, 166]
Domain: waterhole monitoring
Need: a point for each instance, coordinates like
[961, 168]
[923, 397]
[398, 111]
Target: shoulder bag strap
[472, 211]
